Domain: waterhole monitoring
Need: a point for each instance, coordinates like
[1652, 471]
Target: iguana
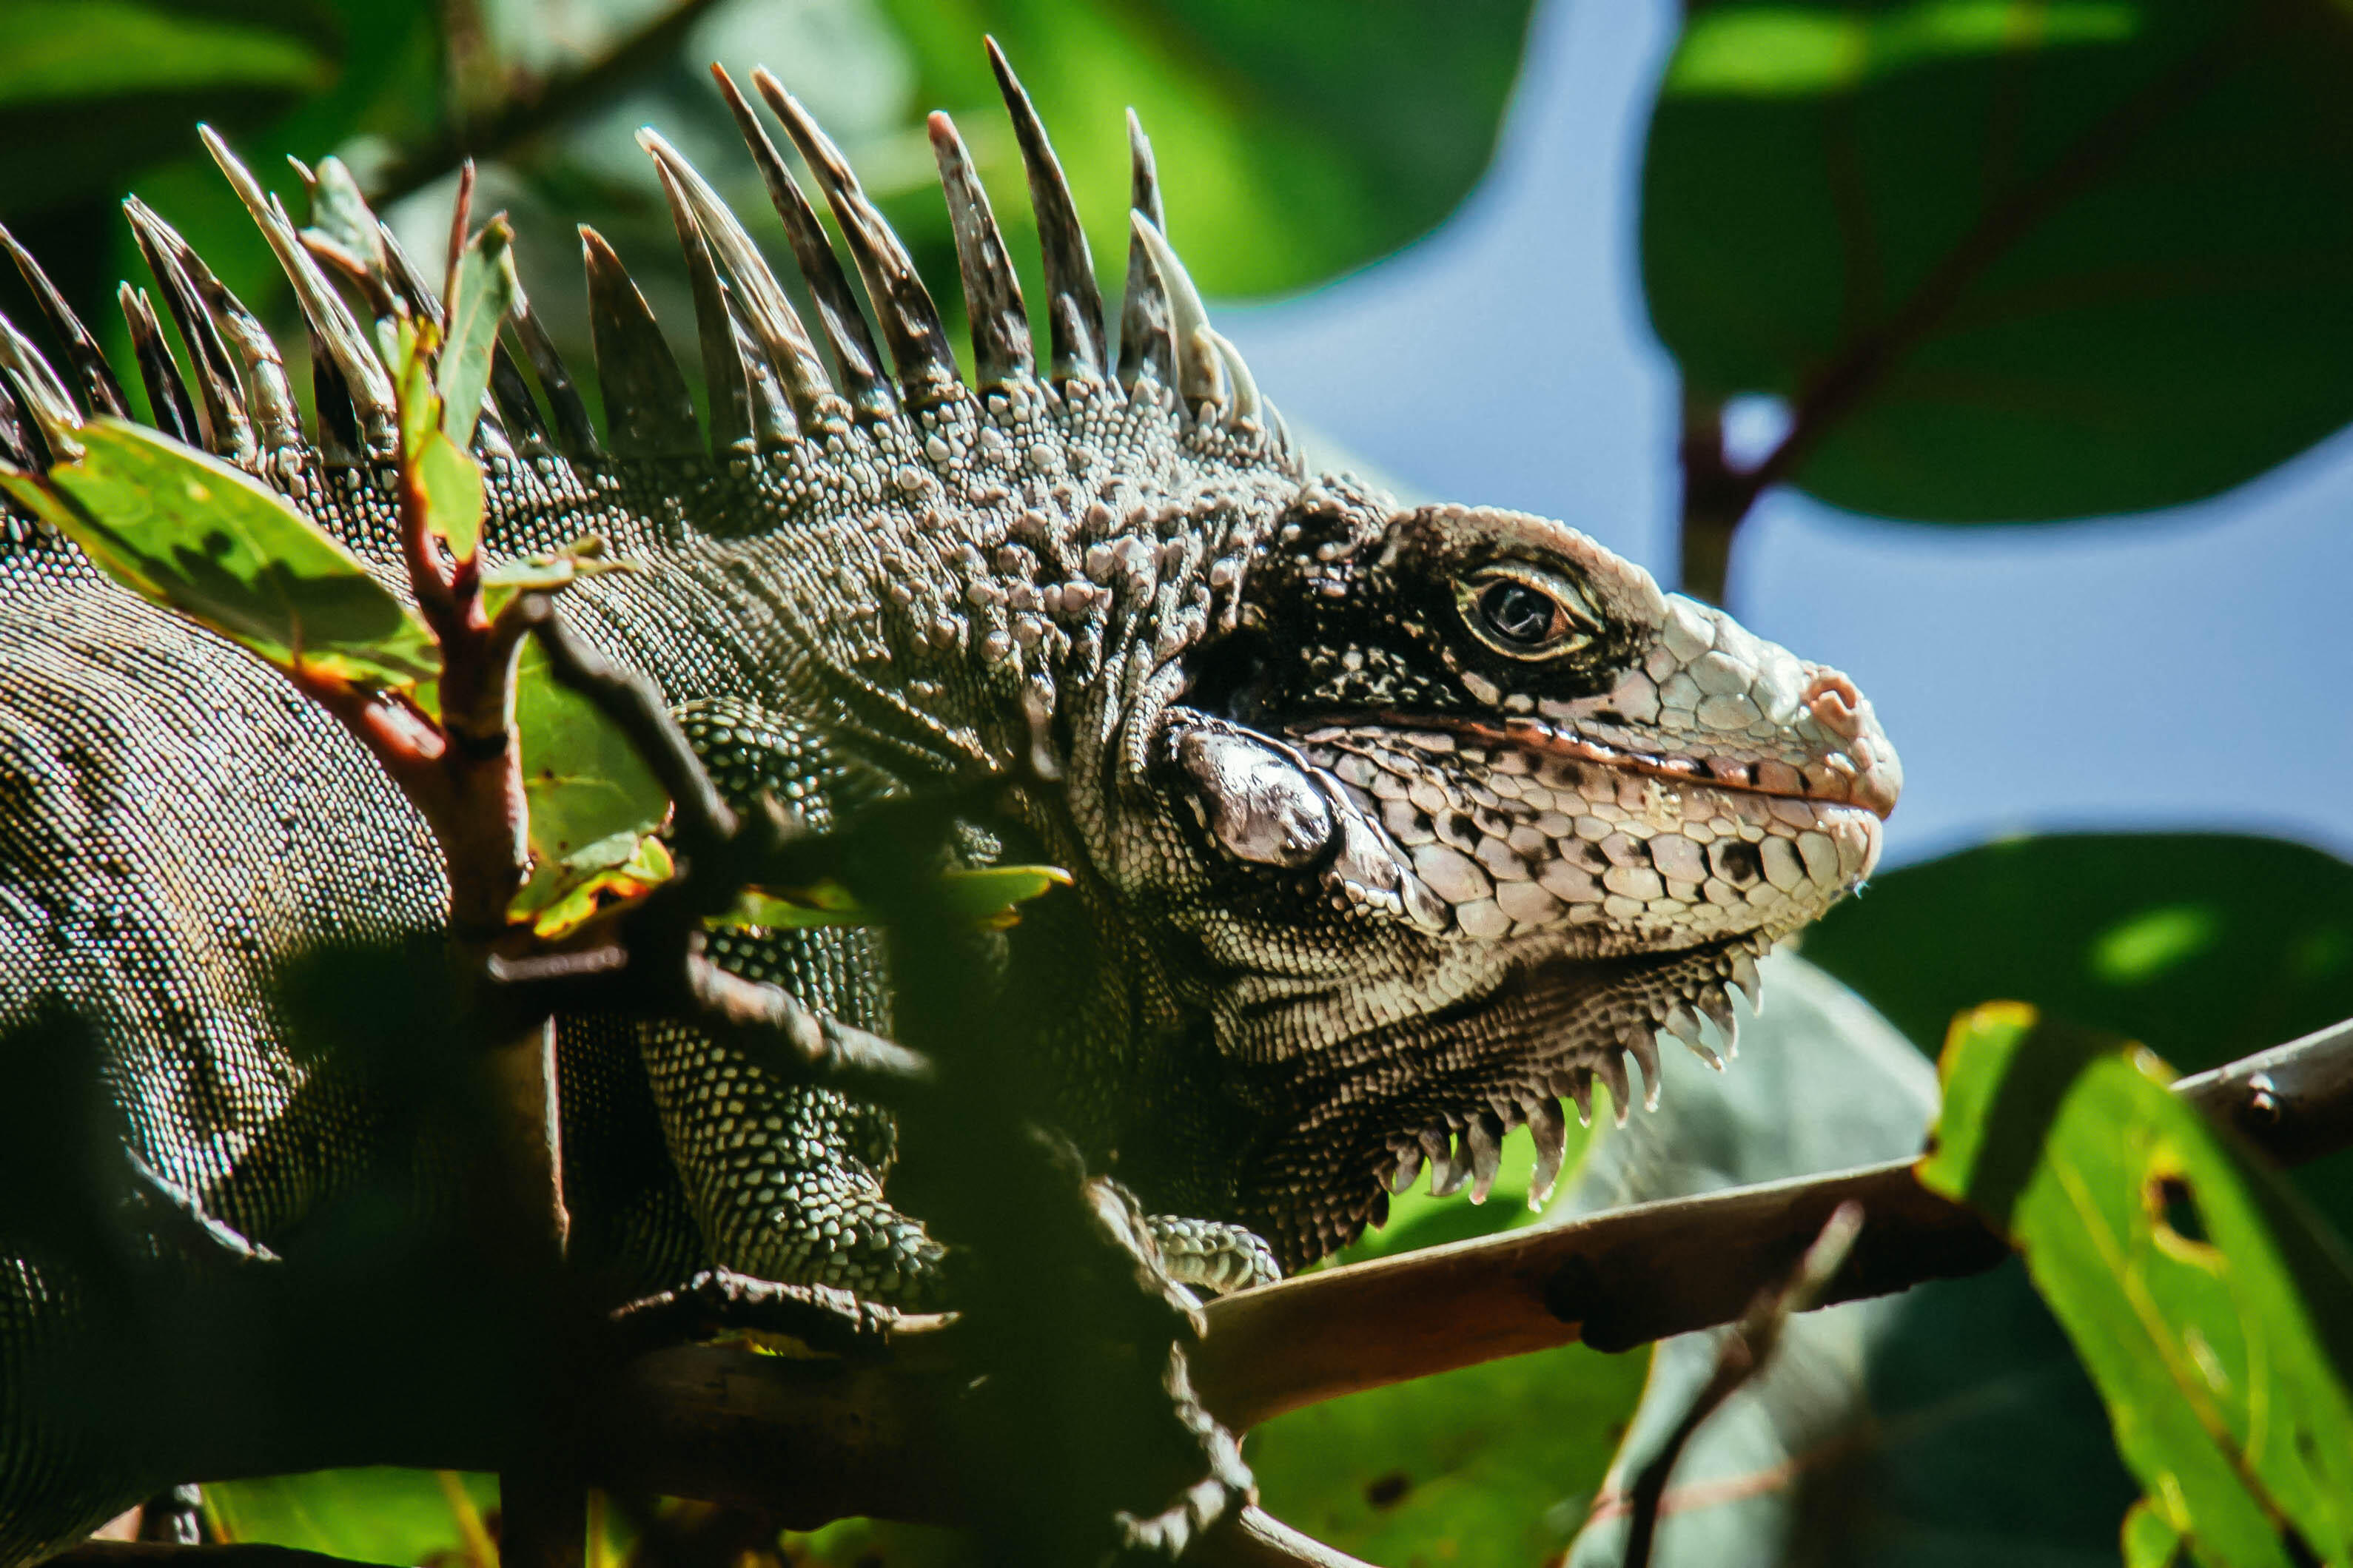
[1392, 825]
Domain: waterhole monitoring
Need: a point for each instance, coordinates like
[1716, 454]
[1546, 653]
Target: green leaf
[407, 346]
[453, 493]
[1493, 1464]
[582, 779]
[2213, 1310]
[2149, 1540]
[991, 894]
[64, 49]
[795, 909]
[485, 292]
[2207, 946]
[2023, 260]
[986, 895]
[367, 1515]
[1285, 160]
[189, 531]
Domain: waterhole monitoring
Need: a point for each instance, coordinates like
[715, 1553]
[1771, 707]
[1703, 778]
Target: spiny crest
[773, 383]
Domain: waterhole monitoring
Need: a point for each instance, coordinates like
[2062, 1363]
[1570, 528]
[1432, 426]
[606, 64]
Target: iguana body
[1390, 827]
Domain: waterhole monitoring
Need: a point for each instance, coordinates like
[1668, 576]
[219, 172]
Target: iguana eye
[1524, 612]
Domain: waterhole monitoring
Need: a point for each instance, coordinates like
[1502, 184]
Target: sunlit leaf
[452, 484]
[563, 895]
[2213, 1308]
[585, 556]
[2013, 259]
[2148, 1541]
[485, 293]
[189, 531]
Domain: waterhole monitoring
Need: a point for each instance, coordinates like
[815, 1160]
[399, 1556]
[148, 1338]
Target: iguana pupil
[1518, 614]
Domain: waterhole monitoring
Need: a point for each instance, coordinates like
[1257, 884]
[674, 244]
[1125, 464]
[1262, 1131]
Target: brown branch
[555, 100]
[2293, 1102]
[1716, 497]
[1639, 1274]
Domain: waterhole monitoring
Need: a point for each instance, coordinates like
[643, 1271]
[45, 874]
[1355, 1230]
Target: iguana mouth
[1834, 781]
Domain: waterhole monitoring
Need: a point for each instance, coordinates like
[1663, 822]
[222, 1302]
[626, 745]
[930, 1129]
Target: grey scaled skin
[1392, 826]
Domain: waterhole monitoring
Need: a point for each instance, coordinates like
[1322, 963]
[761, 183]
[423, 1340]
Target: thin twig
[718, 1301]
[555, 102]
[1740, 1355]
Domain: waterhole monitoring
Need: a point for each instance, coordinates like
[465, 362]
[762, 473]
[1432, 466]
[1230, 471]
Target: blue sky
[2183, 669]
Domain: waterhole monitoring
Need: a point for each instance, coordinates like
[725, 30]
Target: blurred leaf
[880, 1544]
[2031, 258]
[2149, 1541]
[1286, 158]
[2213, 1309]
[189, 531]
[366, 1516]
[105, 86]
[1493, 1464]
[2208, 946]
[485, 293]
[1946, 1427]
[109, 49]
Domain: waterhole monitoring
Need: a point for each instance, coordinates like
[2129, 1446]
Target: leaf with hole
[191, 533]
[2213, 1308]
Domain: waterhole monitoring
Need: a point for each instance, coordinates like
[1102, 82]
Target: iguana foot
[1212, 1255]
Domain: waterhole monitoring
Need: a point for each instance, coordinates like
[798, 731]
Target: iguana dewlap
[1392, 826]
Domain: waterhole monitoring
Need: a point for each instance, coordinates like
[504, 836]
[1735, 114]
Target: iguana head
[1532, 813]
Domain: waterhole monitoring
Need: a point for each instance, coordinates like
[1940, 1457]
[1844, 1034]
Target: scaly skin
[1392, 825]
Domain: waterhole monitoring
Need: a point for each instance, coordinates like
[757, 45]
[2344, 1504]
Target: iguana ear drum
[1257, 798]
